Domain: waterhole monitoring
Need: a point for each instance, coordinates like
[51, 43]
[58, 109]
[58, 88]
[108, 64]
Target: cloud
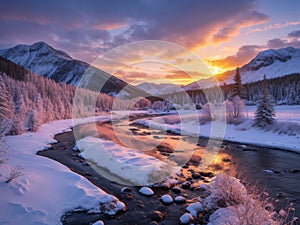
[243, 55]
[249, 18]
[247, 52]
[294, 34]
[88, 29]
[274, 26]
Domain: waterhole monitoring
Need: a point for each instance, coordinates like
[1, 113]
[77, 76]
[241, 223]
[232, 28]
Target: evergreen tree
[265, 112]
[32, 122]
[238, 87]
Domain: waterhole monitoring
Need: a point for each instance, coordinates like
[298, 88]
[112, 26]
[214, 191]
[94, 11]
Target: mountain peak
[270, 56]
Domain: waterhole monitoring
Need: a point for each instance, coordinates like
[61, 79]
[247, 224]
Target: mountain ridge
[272, 62]
[49, 62]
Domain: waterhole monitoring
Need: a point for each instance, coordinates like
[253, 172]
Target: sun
[216, 70]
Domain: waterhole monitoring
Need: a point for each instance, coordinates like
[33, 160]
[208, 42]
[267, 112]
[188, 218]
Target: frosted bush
[225, 191]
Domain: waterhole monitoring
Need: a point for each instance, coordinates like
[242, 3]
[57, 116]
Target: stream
[264, 169]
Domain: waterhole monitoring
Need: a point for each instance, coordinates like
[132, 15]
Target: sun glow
[216, 70]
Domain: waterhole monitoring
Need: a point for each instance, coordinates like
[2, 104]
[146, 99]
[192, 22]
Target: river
[262, 169]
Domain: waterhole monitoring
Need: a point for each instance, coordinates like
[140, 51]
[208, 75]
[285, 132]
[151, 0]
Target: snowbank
[242, 133]
[47, 189]
[133, 166]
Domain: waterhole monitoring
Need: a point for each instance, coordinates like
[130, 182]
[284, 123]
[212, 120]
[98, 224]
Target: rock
[186, 185]
[156, 216]
[146, 191]
[190, 179]
[295, 171]
[167, 199]
[226, 160]
[80, 156]
[276, 172]
[186, 166]
[241, 146]
[186, 218]
[176, 190]
[194, 208]
[180, 200]
[99, 222]
[196, 176]
[194, 187]
[204, 187]
[207, 174]
[126, 190]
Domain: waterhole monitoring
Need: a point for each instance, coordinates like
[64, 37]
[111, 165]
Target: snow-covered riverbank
[46, 189]
[243, 133]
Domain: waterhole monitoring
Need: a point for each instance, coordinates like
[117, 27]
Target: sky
[224, 34]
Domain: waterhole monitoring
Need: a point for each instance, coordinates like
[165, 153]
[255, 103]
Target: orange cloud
[109, 26]
[243, 55]
[232, 27]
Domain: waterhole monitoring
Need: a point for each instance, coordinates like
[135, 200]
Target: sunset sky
[223, 33]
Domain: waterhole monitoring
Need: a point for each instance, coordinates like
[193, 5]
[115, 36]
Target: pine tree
[238, 87]
[265, 112]
[238, 102]
[32, 121]
[6, 105]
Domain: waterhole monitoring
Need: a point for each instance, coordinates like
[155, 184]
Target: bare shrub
[15, 172]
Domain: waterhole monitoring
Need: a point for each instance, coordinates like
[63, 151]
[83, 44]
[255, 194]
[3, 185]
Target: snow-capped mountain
[273, 63]
[159, 89]
[44, 60]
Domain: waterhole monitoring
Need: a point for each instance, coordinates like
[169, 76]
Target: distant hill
[159, 89]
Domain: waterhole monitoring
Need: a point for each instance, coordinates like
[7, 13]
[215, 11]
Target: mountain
[159, 89]
[273, 63]
[44, 60]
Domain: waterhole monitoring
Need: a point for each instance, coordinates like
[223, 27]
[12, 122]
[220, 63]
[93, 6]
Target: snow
[146, 191]
[194, 208]
[131, 165]
[186, 218]
[100, 222]
[243, 133]
[47, 189]
[180, 199]
[283, 113]
[273, 63]
[166, 199]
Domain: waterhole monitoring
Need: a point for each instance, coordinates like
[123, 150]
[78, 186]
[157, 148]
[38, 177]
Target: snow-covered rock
[99, 222]
[186, 218]
[166, 199]
[195, 208]
[180, 199]
[126, 190]
[146, 191]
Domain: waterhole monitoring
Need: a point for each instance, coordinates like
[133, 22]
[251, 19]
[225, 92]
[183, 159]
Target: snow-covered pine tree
[6, 105]
[264, 114]
[238, 94]
[32, 121]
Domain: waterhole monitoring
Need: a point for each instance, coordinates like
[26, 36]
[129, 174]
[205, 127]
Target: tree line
[28, 100]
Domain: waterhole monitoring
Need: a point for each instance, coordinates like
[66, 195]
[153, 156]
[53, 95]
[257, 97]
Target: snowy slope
[159, 89]
[44, 60]
[47, 189]
[273, 63]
